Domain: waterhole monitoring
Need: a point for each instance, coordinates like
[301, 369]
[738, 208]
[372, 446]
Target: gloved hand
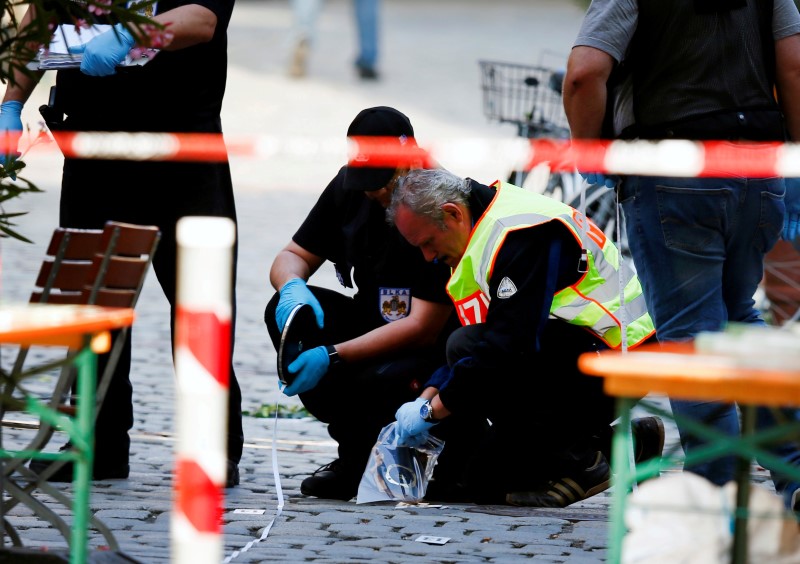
[11, 129]
[412, 429]
[310, 367]
[609, 181]
[293, 293]
[102, 54]
[791, 221]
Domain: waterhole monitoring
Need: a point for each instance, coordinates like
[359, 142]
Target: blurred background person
[304, 24]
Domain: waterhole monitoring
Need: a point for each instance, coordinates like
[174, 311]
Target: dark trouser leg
[358, 399]
[111, 426]
[82, 206]
[545, 422]
[148, 193]
[205, 189]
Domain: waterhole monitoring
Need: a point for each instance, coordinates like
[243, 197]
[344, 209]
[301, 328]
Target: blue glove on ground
[791, 221]
[600, 179]
[102, 54]
[293, 293]
[11, 127]
[412, 429]
[310, 367]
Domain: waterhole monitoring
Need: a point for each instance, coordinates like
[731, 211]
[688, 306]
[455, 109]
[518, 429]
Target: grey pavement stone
[584, 558]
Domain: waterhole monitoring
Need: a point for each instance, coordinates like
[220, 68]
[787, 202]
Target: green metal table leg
[86, 364]
[622, 478]
[739, 555]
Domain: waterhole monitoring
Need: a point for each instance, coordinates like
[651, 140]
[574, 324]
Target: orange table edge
[59, 325]
[675, 369]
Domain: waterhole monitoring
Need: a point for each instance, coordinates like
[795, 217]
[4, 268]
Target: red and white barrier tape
[667, 158]
[202, 367]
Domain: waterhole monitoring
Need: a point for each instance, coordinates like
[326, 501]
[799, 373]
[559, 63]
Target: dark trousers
[358, 399]
[150, 193]
[548, 419]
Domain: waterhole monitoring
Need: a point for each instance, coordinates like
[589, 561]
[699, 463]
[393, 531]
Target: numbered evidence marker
[431, 540]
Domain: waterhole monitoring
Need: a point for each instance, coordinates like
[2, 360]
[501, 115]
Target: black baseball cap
[380, 121]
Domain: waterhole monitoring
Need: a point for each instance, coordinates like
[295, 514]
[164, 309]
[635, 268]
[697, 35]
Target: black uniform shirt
[178, 91]
[514, 324]
[351, 231]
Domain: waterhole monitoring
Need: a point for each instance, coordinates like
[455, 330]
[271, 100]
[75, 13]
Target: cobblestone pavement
[429, 69]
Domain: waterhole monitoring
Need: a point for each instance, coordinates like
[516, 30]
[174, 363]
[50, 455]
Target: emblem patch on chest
[394, 303]
[506, 289]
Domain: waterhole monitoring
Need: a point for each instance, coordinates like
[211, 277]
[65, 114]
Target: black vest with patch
[702, 69]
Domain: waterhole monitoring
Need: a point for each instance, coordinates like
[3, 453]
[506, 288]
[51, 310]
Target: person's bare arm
[588, 70]
[20, 88]
[787, 63]
[439, 409]
[293, 262]
[187, 26]
[420, 328]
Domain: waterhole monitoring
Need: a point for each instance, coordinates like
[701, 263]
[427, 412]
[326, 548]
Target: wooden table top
[59, 325]
[680, 371]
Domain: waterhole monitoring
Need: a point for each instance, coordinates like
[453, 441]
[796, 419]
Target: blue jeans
[305, 14]
[304, 19]
[698, 245]
[367, 24]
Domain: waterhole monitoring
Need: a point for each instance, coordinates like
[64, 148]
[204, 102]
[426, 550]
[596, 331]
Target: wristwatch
[333, 355]
[426, 412]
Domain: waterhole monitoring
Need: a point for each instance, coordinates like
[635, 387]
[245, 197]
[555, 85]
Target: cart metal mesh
[528, 96]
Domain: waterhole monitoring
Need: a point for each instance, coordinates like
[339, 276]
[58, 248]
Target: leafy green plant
[284, 411]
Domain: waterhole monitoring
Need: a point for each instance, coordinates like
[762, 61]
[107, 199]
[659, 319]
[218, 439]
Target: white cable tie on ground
[278, 489]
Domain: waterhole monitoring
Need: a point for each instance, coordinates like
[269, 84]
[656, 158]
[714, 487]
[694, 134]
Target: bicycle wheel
[601, 208]
[518, 177]
[539, 180]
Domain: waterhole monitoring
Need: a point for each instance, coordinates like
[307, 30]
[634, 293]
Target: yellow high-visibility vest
[592, 302]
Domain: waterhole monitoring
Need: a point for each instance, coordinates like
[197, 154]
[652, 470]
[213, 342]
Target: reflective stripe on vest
[592, 302]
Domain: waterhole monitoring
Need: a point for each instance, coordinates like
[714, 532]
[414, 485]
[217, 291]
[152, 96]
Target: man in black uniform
[179, 90]
[388, 338]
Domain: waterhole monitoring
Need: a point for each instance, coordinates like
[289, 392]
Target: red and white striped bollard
[202, 367]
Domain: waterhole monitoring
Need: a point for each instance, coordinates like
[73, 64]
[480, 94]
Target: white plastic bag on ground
[684, 518]
[397, 473]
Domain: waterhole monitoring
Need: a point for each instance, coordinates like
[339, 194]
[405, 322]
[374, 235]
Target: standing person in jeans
[700, 70]
[381, 344]
[180, 90]
[305, 14]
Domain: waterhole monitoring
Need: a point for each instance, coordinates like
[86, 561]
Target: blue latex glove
[310, 367]
[11, 127]
[102, 54]
[791, 221]
[412, 429]
[293, 293]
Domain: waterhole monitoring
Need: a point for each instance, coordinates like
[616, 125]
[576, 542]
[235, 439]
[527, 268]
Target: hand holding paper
[102, 54]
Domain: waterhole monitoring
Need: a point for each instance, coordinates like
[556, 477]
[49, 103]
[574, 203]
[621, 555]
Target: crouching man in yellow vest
[535, 285]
